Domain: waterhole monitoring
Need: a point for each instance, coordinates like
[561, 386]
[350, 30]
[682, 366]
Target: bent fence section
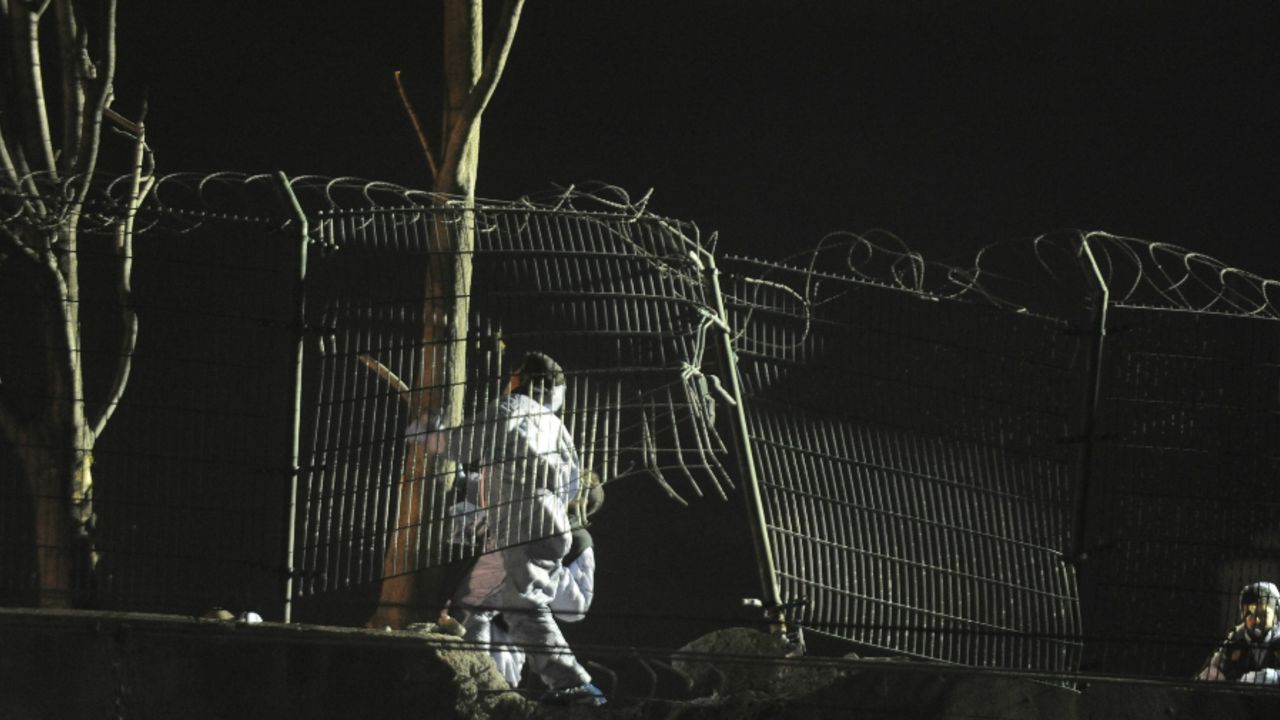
[618, 300]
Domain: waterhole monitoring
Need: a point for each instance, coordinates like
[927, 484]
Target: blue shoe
[584, 694]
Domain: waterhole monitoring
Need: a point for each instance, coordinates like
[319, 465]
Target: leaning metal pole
[1085, 499]
[772, 599]
[300, 328]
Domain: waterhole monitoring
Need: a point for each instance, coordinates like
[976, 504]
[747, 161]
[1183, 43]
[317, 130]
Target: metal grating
[918, 496]
[618, 299]
[992, 465]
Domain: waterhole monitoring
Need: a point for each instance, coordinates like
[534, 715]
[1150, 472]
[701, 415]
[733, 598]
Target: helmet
[1259, 603]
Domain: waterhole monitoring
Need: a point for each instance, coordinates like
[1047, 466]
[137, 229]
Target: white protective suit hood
[555, 400]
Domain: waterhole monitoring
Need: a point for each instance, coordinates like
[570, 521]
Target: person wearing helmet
[1251, 651]
[529, 475]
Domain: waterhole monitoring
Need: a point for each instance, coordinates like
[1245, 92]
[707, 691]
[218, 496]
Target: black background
[951, 124]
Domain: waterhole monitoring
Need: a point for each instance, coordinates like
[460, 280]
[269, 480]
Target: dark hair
[540, 370]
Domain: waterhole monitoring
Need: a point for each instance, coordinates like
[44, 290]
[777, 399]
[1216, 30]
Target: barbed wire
[1049, 275]
[180, 201]
[1009, 274]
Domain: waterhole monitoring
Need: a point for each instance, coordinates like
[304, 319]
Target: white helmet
[1259, 603]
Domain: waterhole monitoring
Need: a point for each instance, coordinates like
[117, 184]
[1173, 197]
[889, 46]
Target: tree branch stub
[417, 128]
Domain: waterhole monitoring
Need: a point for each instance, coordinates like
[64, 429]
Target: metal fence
[264, 453]
[1057, 459]
[187, 474]
[618, 299]
[911, 449]
[1002, 465]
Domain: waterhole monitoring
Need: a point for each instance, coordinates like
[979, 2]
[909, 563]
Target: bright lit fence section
[618, 299]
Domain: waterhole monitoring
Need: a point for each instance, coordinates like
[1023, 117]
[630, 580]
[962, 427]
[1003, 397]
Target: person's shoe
[584, 694]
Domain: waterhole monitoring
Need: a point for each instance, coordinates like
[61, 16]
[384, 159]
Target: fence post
[1080, 546]
[763, 547]
[299, 328]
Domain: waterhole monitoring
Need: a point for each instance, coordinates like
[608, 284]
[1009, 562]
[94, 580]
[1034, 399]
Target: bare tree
[470, 76]
[50, 137]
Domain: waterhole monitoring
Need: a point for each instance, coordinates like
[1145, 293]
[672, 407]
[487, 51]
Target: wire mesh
[918, 496]
[617, 298]
[941, 482]
[187, 475]
[1189, 415]
[191, 472]
[1186, 517]
[938, 478]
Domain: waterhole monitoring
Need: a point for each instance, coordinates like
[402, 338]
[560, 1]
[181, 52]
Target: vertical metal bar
[746, 460]
[300, 323]
[1093, 377]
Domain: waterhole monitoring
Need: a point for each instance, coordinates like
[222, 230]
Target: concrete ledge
[94, 665]
[79, 664]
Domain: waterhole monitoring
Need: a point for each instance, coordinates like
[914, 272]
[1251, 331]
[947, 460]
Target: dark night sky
[952, 124]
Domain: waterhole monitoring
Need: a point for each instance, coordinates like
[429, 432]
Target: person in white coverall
[574, 591]
[529, 474]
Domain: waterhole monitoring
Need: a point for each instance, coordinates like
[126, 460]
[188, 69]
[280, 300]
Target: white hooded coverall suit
[530, 473]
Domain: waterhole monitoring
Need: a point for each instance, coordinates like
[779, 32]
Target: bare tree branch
[478, 99]
[19, 245]
[62, 347]
[417, 127]
[138, 189]
[30, 85]
[99, 97]
[56, 467]
[390, 378]
[131, 128]
[12, 157]
[7, 161]
[73, 56]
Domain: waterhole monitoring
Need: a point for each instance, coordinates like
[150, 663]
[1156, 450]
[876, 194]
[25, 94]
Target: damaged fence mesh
[617, 298]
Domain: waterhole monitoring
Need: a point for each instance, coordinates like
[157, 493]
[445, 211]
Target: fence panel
[618, 299]
[1186, 515]
[188, 476]
[927, 451]
[919, 489]
[192, 472]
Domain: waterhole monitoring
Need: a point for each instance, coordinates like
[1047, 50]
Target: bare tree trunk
[42, 465]
[470, 78]
[47, 186]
